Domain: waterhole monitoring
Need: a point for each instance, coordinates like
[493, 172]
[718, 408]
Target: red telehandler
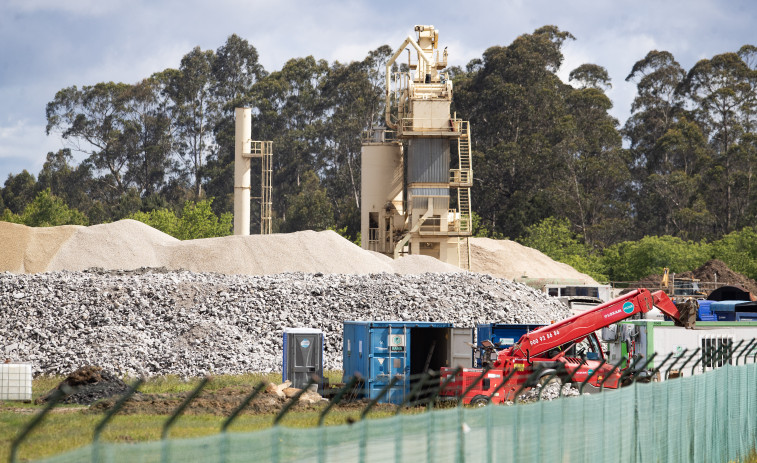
[569, 346]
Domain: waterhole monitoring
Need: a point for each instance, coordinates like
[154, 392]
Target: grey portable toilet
[303, 356]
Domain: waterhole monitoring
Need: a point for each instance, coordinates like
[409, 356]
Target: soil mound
[711, 274]
[511, 260]
[89, 384]
[717, 271]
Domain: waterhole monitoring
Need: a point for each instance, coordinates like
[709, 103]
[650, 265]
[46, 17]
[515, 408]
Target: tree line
[542, 148]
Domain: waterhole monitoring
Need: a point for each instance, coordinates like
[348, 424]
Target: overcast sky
[48, 45]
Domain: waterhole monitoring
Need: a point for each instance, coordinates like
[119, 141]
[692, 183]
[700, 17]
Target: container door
[305, 356]
[460, 351]
[388, 357]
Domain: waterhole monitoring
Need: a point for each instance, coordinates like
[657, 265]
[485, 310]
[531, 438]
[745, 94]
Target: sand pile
[130, 245]
[126, 244]
[508, 259]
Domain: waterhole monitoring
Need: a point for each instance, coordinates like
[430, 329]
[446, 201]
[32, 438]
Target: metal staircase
[462, 179]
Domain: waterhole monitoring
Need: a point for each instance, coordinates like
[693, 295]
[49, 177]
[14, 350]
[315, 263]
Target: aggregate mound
[508, 259]
[161, 322]
[129, 245]
[89, 384]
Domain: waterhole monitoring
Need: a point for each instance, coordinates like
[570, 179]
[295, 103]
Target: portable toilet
[303, 356]
[502, 335]
[379, 350]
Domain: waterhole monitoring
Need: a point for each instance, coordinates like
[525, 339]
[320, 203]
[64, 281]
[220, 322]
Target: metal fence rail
[707, 417]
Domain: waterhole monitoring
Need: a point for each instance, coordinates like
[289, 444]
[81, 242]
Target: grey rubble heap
[158, 322]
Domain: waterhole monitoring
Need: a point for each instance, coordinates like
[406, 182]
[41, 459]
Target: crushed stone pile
[89, 384]
[511, 260]
[167, 322]
[551, 392]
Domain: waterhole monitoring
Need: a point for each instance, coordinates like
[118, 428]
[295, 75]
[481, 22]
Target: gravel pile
[168, 322]
[551, 392]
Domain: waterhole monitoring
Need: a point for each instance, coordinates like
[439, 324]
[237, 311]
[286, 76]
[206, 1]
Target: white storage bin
[15, 381]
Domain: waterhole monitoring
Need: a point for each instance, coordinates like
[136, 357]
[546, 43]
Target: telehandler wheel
[479, 401]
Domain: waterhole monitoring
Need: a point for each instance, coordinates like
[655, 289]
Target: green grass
[68, 429]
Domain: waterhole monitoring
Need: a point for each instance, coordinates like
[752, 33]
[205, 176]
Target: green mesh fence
[705, 418]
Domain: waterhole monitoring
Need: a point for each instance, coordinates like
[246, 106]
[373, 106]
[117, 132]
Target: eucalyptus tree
[235, 71]
[290, 111]
[723, 92]
[354, 97]
[592, 190]
[191, 91]
[515, 102]
[93, 119]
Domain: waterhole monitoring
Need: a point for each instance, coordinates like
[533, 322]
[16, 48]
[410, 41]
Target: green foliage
[481, 230]
[633, 260]
[46, 210]
[196, 221]
[310, 208]
[344, 234]
[554, 238]
[738, 250]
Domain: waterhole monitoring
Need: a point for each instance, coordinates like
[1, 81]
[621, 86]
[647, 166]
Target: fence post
[590, 375]
[225, 425]
[568, 379]
[636, 359]
[612, 370]
[675, 360]
[63, 391]
[657, 369]
[179, 410]
[473, 384]
[733, 351]
[745, 350]
[551, 376]
[528, 382]
[442, 385]
[109, 415]
[337, 398]
[371, 404]
[693, 354]
[295, 398]
[701, 358]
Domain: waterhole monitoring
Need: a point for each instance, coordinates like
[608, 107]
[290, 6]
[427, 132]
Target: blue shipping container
[380, 350]
[502, 335]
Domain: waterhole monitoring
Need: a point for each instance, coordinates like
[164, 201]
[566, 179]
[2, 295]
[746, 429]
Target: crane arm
[548, 337]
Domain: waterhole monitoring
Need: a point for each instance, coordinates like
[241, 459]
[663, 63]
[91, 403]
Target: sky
[48, 45]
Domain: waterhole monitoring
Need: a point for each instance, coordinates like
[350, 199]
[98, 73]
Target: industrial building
[417, 172]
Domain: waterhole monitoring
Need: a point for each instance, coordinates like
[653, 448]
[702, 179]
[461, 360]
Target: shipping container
[502, 335]
[380, 350]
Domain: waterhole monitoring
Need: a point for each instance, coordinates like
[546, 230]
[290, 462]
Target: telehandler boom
[570, 346]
